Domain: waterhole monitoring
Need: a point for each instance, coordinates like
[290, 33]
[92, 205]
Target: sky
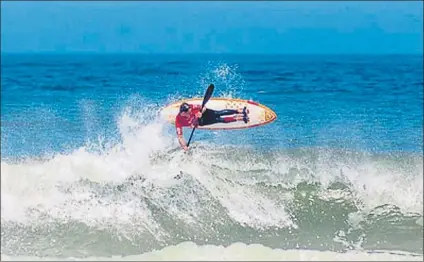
[353, 27]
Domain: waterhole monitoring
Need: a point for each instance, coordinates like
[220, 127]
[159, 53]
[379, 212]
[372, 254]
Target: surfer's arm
[182, 142]
[180, 137]
[199, 107]
[200, 113]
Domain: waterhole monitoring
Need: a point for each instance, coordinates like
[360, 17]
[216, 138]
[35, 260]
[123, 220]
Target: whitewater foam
[127, 187]
[189, 251]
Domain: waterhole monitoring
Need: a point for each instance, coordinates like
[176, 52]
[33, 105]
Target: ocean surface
[88, 168]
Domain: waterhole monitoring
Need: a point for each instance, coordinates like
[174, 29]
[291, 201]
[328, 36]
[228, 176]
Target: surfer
[190, 116]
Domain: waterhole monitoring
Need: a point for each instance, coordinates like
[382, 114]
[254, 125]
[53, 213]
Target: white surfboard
[258, 114]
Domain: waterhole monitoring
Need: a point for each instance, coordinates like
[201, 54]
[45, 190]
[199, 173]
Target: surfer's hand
[185, 148]
[195, 124]
[199, 115]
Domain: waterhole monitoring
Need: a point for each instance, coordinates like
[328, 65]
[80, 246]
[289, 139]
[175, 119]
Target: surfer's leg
[234, 118]
[214, 116]
[207, 118]
[239, 115]
[227, 119]
[226, 112]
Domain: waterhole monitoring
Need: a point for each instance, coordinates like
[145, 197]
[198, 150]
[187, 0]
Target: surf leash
[206, 97]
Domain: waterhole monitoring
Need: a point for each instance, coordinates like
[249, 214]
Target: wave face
[94, 173]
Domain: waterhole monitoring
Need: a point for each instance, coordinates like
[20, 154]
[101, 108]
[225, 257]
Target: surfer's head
[184, 107]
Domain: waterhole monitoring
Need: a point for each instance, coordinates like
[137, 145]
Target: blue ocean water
[360, 102]
[72, 126]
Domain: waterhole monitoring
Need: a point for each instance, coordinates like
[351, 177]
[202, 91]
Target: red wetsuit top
[181, 121]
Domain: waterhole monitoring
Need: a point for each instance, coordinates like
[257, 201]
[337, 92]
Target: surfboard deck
[258, 114]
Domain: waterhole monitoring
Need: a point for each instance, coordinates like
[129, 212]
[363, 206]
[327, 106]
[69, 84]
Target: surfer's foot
[242, 118]
[245, 117]
[243, 111]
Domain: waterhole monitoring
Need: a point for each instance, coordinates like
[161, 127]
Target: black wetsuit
[210, 116]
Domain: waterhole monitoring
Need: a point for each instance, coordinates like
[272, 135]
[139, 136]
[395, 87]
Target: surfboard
[259, 114]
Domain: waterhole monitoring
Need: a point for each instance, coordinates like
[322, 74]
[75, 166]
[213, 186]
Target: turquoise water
[87, 166]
